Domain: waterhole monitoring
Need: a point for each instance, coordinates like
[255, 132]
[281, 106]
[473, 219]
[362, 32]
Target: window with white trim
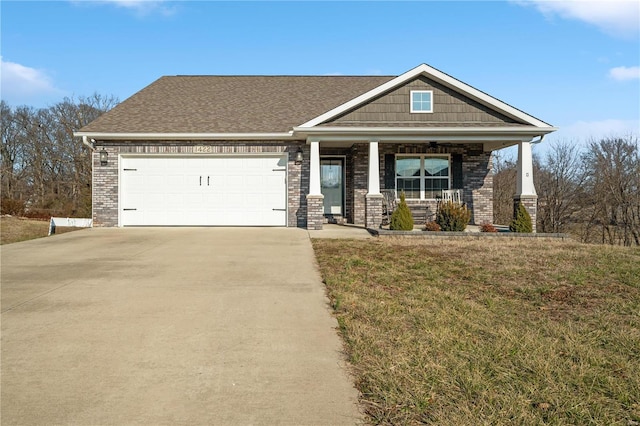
[422, 177]
[421, 101]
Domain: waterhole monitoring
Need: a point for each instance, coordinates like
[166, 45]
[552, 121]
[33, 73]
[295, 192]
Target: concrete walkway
[180, 326]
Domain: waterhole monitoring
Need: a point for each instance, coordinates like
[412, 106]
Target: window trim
[423, 176]
[413, 111]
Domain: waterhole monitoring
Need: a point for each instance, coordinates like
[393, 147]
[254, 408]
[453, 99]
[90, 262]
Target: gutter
[184, 136]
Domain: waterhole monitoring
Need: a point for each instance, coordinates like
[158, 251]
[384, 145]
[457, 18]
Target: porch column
[525, 190]
[315, 199]
[374, 169]
[373, 199]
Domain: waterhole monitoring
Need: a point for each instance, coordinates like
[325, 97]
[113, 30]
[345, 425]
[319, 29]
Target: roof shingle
[231, 104]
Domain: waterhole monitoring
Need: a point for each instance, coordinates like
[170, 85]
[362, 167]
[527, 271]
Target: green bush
[401, 219]
[522, 222]
[453, 216]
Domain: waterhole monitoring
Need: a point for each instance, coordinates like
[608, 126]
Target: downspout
[538, 141]
[87, 143]
[92, 148]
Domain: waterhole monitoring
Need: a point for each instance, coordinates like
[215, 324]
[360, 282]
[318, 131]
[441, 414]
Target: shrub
[39, 214]
[453, 216]
[487, 227]
[522, 221]
[401, 219]
[431, 226]
[12, 206]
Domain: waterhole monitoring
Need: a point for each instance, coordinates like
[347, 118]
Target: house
[298, 151]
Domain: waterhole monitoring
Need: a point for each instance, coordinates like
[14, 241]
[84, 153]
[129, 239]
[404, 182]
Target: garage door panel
[224, 191]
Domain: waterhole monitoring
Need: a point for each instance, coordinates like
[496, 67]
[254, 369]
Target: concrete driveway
[186, 326]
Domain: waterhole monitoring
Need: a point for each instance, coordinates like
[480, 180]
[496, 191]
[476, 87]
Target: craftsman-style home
[299, 151]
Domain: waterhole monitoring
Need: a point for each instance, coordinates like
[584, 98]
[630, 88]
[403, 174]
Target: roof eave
[442, 133]
[184, 136]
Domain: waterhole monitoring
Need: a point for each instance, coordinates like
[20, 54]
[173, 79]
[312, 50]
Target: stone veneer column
[373, 212]
[373, 199]
[315, 199]
[525, 190]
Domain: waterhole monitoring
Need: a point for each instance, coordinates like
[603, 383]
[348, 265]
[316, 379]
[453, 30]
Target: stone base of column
[315, 211]
[373, 210]
[530, 203]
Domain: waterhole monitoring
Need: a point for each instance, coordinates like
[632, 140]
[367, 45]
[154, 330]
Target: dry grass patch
[16, 229]
[489, 332]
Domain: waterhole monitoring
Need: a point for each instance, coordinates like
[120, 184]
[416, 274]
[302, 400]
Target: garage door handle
[207, 180]
[200, 180]
[127, 210]
[279, 210]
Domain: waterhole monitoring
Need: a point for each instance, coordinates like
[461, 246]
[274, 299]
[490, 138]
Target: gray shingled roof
[231, 104]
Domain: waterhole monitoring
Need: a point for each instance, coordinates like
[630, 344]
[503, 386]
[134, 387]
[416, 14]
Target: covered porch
[349, 173]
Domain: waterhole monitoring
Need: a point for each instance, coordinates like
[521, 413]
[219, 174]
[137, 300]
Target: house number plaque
[202, 149]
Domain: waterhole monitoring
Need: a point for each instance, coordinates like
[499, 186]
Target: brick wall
[105, 188]
[105, 178]
[373, 214]
[315, 209]
[360, 162]
[477, 189]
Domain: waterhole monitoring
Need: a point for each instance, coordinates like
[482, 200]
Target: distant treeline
[45, 171]
[591, 193]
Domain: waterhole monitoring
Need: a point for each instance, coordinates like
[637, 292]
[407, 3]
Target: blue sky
[573, 64]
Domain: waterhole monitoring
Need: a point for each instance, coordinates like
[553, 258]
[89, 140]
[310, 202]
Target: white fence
[73, 222]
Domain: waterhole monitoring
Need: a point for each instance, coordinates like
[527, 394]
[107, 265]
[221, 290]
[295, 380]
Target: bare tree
[612, 184]
[504, 186]
[559, 179]
[42, 164]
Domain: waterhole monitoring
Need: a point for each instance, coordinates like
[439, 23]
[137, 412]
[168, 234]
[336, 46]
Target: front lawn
[16, 229]
[489, 332]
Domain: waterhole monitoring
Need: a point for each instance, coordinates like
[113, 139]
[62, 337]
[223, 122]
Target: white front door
[203, 191]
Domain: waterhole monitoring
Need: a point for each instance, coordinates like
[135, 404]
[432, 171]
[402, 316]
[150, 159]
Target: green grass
[489, 332]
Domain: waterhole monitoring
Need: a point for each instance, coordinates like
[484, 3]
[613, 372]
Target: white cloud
[585, 130]
[141, 7]
[21, 84]
[620, 18]
[624, 73]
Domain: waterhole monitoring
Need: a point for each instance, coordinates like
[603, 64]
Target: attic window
[421, 101]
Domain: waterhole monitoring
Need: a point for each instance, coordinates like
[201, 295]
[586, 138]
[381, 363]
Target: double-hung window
[422, 177]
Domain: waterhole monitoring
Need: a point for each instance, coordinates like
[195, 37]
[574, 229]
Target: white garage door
[203, 191]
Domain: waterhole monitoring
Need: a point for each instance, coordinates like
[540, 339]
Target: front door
[332, 185]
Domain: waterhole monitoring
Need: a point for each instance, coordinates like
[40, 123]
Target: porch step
[419, 213]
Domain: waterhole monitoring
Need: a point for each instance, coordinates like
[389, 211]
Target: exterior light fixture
[299, 156]
[104, 156]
